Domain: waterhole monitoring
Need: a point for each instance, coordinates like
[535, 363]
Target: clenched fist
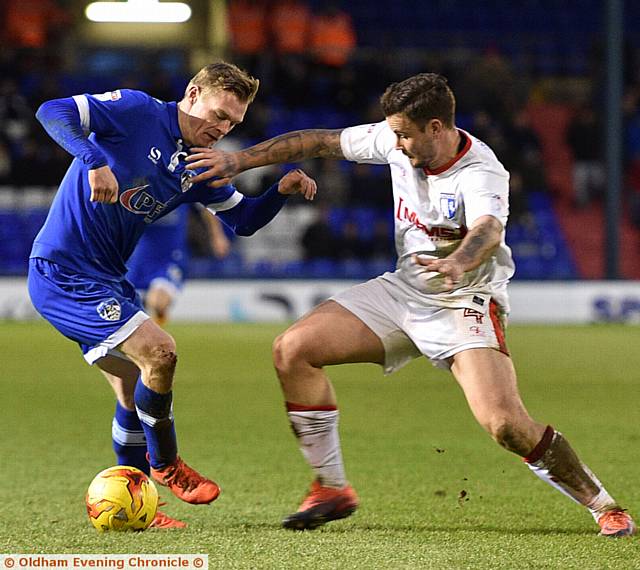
[104, 186]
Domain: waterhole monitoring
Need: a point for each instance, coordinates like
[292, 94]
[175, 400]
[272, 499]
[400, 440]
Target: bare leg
[158, 301]
[328, 335]
[122, 375]
[488, 380]
[154, 352]
[127, 433]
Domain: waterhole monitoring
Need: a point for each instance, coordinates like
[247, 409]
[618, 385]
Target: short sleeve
[486, 193]
[368, 143]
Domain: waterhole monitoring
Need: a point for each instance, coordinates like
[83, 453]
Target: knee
[509, 434]
[161, 358]
[287, 353]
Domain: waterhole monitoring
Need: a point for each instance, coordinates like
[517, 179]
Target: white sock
[556, 463]
[317, 433]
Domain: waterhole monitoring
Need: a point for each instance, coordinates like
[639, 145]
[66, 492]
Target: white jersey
[433, 209]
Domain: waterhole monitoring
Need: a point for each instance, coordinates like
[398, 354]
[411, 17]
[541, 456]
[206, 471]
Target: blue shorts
[168, 276]
[98, 314]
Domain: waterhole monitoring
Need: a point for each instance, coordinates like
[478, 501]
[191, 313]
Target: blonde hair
[223, 76]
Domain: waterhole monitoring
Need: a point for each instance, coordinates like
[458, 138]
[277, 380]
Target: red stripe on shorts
[498, 327]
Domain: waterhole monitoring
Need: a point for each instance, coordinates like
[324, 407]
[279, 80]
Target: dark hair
[421, 98]
[223, 76]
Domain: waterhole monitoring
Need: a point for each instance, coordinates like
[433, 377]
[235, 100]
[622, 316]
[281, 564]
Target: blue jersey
[78, 262]
[161, 252]
[140, 140]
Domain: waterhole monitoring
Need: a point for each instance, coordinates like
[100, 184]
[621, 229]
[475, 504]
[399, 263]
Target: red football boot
[186, 483]
[616, 523]
[321, 505]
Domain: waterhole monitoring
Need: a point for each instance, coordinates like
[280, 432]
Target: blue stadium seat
[322, 268]
[337, 218]
[365, 219]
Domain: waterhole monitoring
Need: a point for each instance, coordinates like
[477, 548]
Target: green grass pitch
[411, 447]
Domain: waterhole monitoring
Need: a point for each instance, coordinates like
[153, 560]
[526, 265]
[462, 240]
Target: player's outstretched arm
[251, 214]
[289, 147]
[479, 243]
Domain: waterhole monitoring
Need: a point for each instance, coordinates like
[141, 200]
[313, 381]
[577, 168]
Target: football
[121, 498]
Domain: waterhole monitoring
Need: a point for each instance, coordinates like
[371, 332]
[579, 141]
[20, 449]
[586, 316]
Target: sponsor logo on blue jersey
[138, 201]
[154, 154]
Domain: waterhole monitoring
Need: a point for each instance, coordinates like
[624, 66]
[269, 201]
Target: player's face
[211, 116]
[419, 145]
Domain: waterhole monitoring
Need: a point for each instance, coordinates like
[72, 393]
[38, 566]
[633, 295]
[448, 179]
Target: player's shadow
[348, 528]
[413, 528]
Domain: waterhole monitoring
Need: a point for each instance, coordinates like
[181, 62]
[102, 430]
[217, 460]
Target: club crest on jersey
[448, 205]
[178, 155]
[109, 310]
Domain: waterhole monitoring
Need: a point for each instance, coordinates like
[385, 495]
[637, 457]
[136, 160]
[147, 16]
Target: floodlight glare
[138, 11]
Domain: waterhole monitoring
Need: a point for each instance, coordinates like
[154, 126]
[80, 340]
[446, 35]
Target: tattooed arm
[479, 243]
[289, 147]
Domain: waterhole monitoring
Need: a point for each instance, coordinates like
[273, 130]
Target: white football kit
[408, 308]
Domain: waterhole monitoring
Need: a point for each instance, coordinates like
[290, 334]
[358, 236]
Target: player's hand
[104, 186]
[297, 182]
[220, 164]
[448, 267]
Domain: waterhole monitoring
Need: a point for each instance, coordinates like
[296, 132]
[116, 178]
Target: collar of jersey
[456, 158]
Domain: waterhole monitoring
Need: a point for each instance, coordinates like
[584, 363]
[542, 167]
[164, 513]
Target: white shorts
[409, 325]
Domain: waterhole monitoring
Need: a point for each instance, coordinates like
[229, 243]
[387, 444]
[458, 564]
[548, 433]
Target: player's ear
[192, 93]
[434, 126]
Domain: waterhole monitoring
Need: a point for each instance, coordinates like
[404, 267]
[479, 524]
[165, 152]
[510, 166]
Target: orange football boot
[163, 520]
[616, 523]
[186, 483]
[321, 505]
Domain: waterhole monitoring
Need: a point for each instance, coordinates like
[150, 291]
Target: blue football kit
[78, 261]
[161, 255]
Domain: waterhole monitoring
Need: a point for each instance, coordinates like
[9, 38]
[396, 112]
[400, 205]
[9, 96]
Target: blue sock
[156, 415]
[129, 442]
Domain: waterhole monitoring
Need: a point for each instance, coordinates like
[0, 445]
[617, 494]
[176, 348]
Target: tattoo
[479, 243]
[293, 147]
